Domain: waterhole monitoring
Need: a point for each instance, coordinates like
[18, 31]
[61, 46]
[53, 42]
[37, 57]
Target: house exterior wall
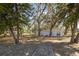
[55, 32]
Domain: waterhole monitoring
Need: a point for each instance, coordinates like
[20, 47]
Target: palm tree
[71, 19]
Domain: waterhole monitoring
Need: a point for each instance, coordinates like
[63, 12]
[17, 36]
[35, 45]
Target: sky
[36, 6]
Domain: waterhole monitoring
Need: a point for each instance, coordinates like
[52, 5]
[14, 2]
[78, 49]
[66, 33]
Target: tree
[38, 16]
[12, 16]
[71, 19]
[55, 12]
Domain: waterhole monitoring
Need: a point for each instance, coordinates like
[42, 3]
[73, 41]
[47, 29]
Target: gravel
[43, 50]
[25, 50]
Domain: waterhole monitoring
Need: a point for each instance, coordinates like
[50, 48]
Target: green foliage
[8, 17]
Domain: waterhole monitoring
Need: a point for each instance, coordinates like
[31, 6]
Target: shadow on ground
[29, 47]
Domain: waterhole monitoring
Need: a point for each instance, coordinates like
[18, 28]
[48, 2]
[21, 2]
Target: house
[55, 32]
[59, 31]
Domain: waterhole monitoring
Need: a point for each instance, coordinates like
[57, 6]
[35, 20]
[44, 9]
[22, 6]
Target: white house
[59, 31]
[55, 32]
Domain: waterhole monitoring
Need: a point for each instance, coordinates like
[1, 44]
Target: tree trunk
[50, 33]
[73, 31]
[73, 34]
[17, 26]
[18, 34]
[76, 39]
[39, 29]
[11, 30]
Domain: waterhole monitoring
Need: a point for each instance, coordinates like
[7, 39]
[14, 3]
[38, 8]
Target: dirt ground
[27, 45]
